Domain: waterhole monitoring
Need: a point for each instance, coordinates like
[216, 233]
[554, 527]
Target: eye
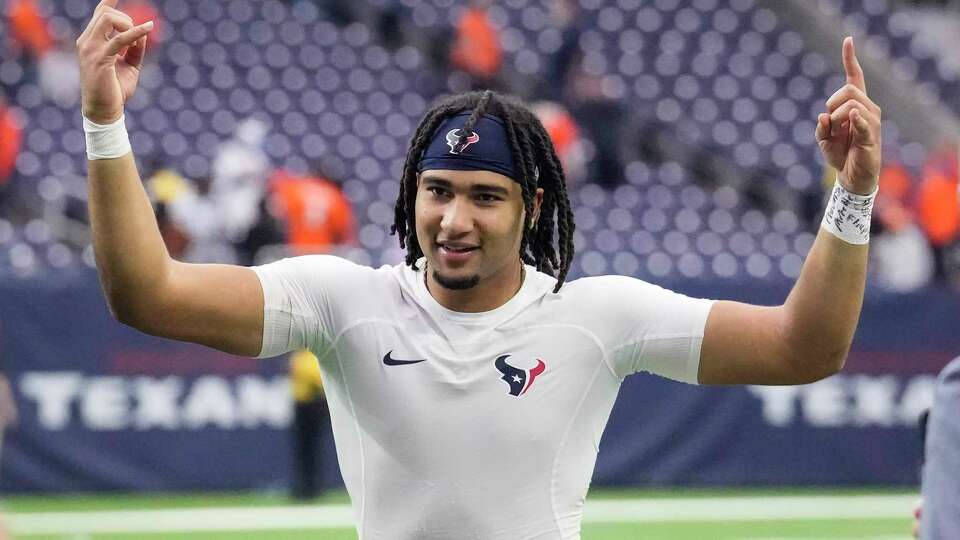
[437, 191]
[487, 198]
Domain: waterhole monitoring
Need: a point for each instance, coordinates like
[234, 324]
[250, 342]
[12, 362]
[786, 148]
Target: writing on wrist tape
[106, 141]
[848, 215]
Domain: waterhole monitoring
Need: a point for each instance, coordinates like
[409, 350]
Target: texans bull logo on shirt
[453, 140]
[520, 380]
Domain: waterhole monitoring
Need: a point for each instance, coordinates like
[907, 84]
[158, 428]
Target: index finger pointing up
[852, 66]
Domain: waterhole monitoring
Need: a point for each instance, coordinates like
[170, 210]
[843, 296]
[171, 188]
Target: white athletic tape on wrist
[848, 215]
[106, 141]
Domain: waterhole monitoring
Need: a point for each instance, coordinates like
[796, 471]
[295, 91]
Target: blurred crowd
[917, 222]
[242, 210]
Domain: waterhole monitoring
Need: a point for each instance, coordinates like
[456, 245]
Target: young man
[469, 387]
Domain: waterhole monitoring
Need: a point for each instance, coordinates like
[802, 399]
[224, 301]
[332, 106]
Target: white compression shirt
[472, 425]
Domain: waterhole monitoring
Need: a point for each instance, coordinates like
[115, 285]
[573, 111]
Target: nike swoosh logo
[394, 362]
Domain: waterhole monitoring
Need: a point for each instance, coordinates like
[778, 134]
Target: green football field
[609, 515]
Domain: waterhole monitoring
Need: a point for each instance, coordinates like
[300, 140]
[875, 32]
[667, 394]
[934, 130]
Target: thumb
[860, 127]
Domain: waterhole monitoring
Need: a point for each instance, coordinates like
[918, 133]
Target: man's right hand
[111, 50]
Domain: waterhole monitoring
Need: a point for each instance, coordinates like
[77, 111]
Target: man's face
[469, 224]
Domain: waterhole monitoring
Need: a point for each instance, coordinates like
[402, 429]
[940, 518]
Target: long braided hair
[533, 153]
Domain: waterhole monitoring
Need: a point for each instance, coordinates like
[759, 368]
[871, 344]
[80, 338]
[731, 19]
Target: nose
[457, 218]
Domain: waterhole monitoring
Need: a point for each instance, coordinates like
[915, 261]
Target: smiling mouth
[457, 249]
[456, 255]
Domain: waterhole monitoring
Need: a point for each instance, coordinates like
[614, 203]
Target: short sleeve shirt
[472, 425]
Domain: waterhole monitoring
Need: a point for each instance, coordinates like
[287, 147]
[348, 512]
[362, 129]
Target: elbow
[814, 353]
[120, 309]
[136, 315]
[814, 366]
[838, 361]
[125, 313]
[134, 304]
[829, 365]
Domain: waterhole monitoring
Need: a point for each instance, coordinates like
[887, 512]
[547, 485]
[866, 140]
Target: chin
[456, 283]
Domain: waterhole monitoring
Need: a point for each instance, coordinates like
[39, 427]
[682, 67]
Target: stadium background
[687, 128]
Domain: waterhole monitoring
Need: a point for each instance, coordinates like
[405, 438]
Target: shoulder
[611, 289]
[325, 272]
[627, 303]
[307, 265]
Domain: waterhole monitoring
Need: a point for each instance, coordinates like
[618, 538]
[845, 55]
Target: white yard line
[752, 508]
[709, 509]
[887, 537]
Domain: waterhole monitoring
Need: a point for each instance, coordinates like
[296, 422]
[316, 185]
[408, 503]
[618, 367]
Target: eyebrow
[476, 188]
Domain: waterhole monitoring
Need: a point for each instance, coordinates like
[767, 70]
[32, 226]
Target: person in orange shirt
[476, 48]
[10, 135]
[28, 28]
[316, 213]
[902, 259]
[938, 209]
[565, 136]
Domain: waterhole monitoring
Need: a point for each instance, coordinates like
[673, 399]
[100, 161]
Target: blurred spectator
[476, 46]
[901, 255]
[59, 76]
[28, 28]
[564, 15]
[188, 219]
[268, 230]
[10, 136]
[565, 136]
[174, 237]
[315, 213]
[166, 187]
[937, 205]
[602, 118]
[225, 218]
[309, 415]
[54, 67]
[240, 172]
[389, 25]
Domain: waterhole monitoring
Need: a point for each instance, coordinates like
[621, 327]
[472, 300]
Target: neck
[491, 293]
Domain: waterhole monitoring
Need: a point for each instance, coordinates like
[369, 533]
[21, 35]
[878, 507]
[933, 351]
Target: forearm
[132, 259]
[822, 310]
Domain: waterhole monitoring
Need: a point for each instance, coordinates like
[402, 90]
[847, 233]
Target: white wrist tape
[848, 215]
[106, 141]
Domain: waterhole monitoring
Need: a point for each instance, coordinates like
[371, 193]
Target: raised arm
[809, 336]
[216, 305]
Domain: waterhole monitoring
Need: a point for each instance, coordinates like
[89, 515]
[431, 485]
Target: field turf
[609, 515]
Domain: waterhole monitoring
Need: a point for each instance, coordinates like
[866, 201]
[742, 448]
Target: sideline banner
[103, 407]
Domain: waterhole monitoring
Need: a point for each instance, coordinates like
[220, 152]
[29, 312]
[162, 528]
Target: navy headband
[486, 147]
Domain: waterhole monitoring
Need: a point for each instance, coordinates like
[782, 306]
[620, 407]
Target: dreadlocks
[533, 153]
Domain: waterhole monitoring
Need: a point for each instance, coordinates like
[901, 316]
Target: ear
[537, 202]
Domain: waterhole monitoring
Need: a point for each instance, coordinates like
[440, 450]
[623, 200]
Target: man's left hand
[849, 132]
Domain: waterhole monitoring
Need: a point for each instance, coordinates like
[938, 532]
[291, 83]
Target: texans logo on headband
[483, 147]
[453, 140]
